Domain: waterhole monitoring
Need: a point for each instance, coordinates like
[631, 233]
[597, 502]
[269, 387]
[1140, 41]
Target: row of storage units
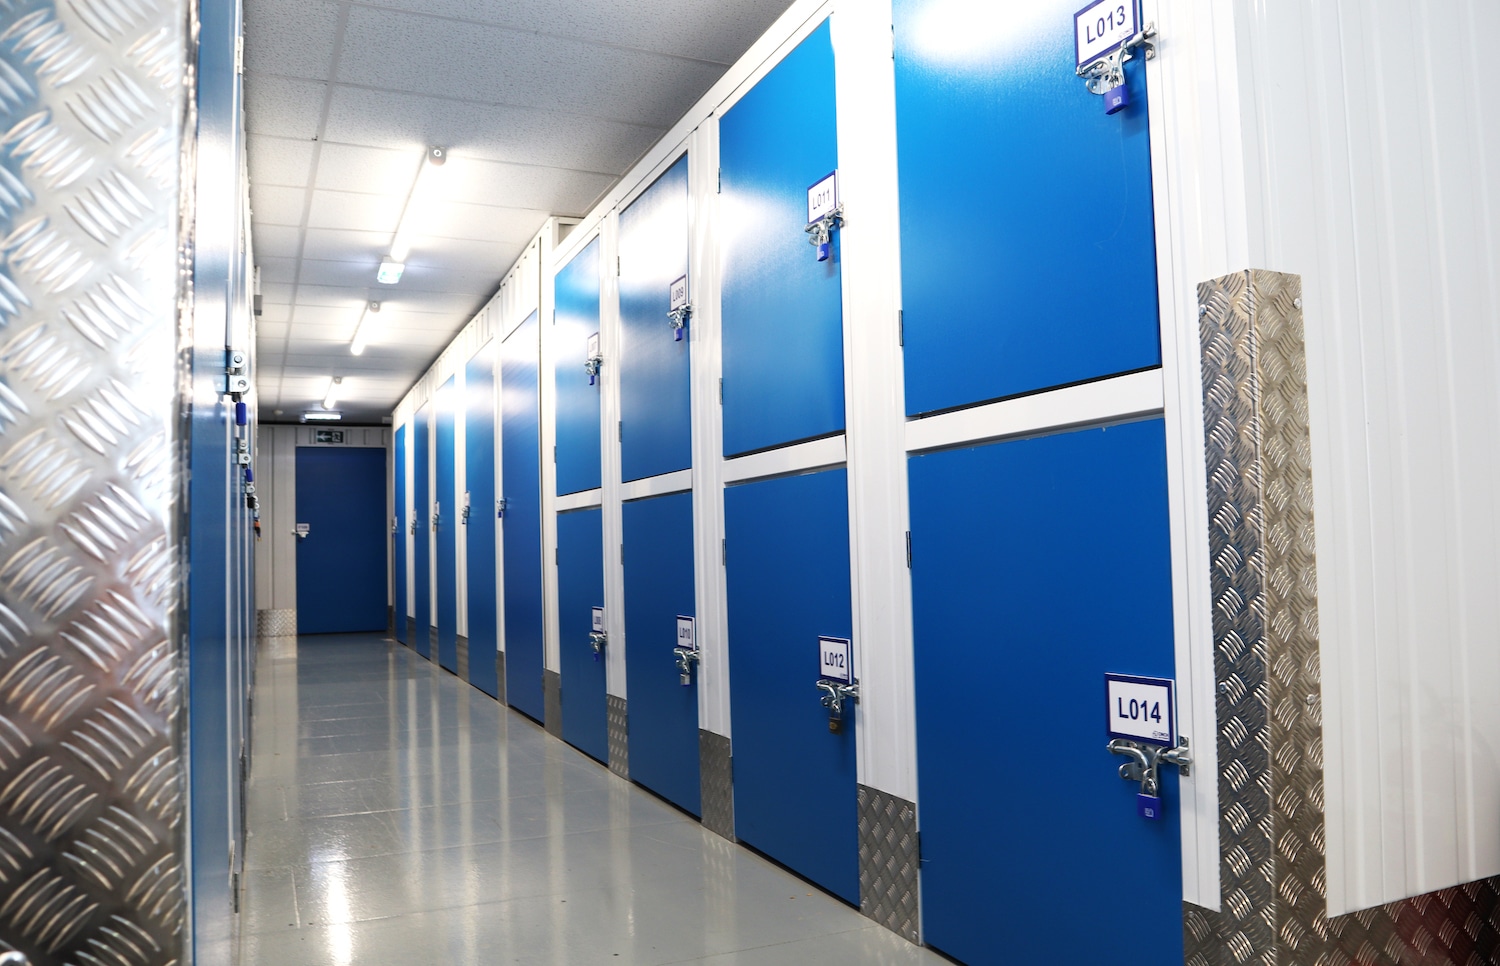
[664, 561]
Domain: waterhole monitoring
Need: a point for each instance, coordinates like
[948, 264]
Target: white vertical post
[609, 457]
[542, 270]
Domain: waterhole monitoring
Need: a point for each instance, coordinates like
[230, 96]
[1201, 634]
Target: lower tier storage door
[521, 526]
[1038, 566]
[340, 565]
[788, 575]
[479, 534]
[421, 494]
[398, 539]
[580, 589]
[445, 530]
[658, 591]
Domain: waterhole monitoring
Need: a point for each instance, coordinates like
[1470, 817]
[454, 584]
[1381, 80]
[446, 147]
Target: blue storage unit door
[580, 588]
[421, 492]
[521, 523]
[341, 560]
[1028, 252]
[655, 430]
[788, 573]
[577, 322]
[659, 590]
[1038, 566]
[782, 308]
[445, 529]
[479, 474]
[398, 538]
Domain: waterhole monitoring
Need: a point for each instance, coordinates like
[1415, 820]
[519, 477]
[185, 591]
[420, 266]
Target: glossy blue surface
[479, 471]
[521, 527]
[782, 309]
[446, 529]
[659, 587]
[421, 499]
[1038, 566]
[1028, 246]
[656, 435]
[341, 561]
[580, 588]
[577, 299]
[788, 574]
[398, 539]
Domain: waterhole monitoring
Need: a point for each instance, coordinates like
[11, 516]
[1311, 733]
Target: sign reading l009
[1141, 709]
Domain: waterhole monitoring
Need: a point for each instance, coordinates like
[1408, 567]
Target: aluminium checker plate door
[521, 525]
[421, 493]
[1038, 566]
[1028, 250]
[580, 588]
[398, 540]
[341, 560]
[655, 415]
[479, 473]
[788, 577]
[658, 590]
[577, 321]
[446, 528]
[783, 339]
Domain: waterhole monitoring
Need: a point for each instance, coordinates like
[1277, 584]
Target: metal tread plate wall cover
[1266, 657]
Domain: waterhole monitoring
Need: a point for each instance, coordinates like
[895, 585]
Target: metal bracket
[597, 640]
[1107, 74]
[500, 506]
[463, 517]
[1144, 760]
[678, 318]
[437, 516]
[237, 380]
[686, 658]
[822, 231]
[835, 693]
[591, 366]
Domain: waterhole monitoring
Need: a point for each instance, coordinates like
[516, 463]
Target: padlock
[825, 250]
[1148, 806]
[1116, 99]
[835, 724]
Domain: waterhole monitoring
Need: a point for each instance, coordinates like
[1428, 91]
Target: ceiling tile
[275, 241]
[471, 222]
[276, 269]
[272, 205]
[357, 212]
[354, 167]
[293, 38]
[280, 161]
[283, 106]
[553, 190]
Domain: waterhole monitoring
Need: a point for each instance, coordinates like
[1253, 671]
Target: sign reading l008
[1141, 709]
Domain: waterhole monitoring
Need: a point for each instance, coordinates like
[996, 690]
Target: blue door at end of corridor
[577, 325]
[521, 523]
[655, 413]
[421, 492]
[479, 534]
[341, 559]
[1028, 251]
[658, 590]
[445, 519]
[783, 338]
[1038, 566]
[398, 539]
[788, 576]
[580, 589]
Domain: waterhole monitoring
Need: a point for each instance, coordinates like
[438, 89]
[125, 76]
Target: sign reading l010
[687, 636]
[1100, 28]
[1141, 709]
[836, 659]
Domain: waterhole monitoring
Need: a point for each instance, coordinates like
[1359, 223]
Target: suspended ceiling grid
[542, 105]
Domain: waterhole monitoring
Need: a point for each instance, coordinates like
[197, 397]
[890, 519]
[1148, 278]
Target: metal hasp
[821, 231]
[591, 366]
[237, 380]
[1142, 764]
[686, 658]
[835, 693]
[500, 506]
[437, 516]
[678, 318]
[597, 640]
[1106, 76]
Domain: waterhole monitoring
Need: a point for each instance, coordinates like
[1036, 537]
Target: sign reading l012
[822, 197]
[836, 659]
[1141, 709]
[687, 636]
[1100, 28]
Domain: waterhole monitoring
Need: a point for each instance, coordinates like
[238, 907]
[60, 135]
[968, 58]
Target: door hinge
[620, 429]
[554, 452]
[555, 556]
[721, 181]
[901, 327]
[239, 54]
[622, 552]
[617, 266]
[724, 552]
[721, 391]
[908, 550]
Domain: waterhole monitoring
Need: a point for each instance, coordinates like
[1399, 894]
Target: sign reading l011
[822, 197]
[1141, 709]
[598, 613]
[1100, 28]
[687, 636]
[836, 659]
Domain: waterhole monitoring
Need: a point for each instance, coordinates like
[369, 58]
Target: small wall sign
[687, 635]
[823, 197]
[1141, 709]
[836, 659]
[598, 614]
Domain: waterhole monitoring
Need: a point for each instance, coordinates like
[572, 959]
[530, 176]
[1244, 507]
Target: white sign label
[599, 619]
[687, 637]
[303, 530]
[593, 349]
[822, 197]
[1101, 27]
[836, 659]
[677, 292]
[1141, 709]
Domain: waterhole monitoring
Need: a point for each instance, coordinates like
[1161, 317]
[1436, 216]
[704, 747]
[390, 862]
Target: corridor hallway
[397, 815]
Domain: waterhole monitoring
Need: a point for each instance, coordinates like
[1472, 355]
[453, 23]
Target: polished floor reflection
[399, 816]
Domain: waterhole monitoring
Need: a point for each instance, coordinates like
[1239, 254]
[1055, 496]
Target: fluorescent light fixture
[401, 242]
[335, 386]
[362, 330]
[313, 416]
[390, 272]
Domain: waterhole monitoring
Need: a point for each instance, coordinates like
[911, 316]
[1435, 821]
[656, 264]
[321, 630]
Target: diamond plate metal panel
[432, 644]
[1264, 586]
[500, 676]
[552, 702]
[276, 623]
[617, 722]
[889, 859]
[463, 657]
[91, 778]
[716, 783]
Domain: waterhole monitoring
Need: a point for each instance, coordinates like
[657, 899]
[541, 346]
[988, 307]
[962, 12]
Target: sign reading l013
[687, 637]
[1141, 709]
[836, 659]
[822, 197]
[1100, 28]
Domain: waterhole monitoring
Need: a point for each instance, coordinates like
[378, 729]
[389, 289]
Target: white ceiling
[542, 105]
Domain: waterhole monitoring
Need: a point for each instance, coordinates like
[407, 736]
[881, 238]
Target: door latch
[437, 515]
[821, 232]
[1142, 762]
[835, 693]
[678, 318]
[686, 658]
[500, 506]
[597, 640]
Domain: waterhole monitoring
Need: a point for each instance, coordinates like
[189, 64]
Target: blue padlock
[1148, 806]
[825, 250]
[1116, 99]
[591, 378]
[677, 337]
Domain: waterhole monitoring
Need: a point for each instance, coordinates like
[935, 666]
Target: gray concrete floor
[398, 815]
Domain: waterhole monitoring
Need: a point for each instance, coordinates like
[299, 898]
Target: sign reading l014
[836, 659]
[1141, 709]
[1100, 28]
